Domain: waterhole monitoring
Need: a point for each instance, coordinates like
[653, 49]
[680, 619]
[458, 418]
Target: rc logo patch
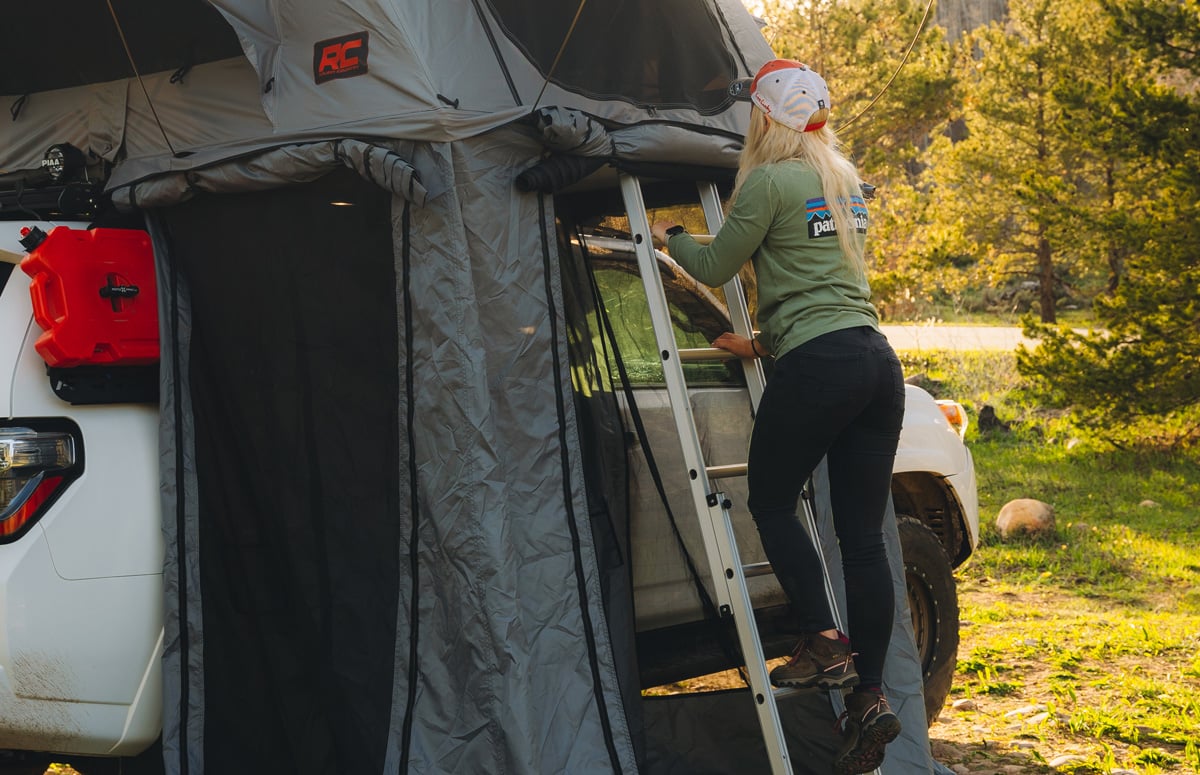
[342, 57]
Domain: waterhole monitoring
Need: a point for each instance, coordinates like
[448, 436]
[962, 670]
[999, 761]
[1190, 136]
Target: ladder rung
[725, 472]
[696, 354]
[752, 569]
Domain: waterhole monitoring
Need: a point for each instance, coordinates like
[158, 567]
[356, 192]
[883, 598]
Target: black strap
[711, 613]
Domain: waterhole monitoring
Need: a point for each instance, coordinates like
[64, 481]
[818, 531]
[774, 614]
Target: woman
[837, 390]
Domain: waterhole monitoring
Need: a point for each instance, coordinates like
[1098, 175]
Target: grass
[1080, 650]
[1096, 626]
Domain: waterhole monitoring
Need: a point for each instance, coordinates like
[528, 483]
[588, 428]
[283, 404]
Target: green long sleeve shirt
[806, 286]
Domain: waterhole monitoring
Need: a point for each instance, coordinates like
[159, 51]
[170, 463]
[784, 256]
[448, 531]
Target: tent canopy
[151, 87]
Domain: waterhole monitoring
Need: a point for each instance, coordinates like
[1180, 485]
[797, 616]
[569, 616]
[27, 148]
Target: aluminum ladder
[728, 572]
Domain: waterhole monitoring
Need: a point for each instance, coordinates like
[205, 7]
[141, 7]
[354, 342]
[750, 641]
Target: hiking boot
[818, 663]
[867, 725]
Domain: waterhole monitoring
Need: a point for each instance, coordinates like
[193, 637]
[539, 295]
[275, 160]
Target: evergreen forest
[1043, 167]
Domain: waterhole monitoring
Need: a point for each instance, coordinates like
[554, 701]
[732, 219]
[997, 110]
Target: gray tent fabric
[379, 551]
[570, 131]
[492, 555]
[502, 551]
[91, 118]
[183, 643]
[432, 75]
[278, 167]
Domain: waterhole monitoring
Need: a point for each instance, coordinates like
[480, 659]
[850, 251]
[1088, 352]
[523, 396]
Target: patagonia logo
[342, 57]
[820, 217]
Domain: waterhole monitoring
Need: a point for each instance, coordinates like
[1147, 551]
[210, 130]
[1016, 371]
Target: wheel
[933, 601]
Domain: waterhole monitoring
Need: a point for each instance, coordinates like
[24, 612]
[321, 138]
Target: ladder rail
[739, 313]
[735, 296]
[725, 567]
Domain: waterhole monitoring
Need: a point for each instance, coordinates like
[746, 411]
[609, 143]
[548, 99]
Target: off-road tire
[933, 602]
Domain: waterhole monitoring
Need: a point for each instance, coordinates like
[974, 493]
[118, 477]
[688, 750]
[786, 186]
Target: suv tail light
[38, 460]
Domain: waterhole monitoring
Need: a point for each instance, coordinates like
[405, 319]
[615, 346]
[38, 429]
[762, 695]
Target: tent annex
[393, 520]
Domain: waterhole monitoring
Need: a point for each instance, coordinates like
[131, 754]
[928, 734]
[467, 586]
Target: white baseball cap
[788, 91]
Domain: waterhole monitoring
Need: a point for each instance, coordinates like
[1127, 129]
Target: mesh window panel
[294, 382]
[674, 53]
[77, 42]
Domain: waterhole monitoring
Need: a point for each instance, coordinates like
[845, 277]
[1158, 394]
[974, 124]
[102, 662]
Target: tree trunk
[1045, 261]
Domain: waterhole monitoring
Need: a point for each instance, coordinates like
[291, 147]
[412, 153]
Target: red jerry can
[95, 297]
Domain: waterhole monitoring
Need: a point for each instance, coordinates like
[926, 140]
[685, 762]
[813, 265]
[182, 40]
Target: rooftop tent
[420, 73]
[393, 497]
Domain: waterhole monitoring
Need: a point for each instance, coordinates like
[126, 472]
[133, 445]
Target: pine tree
[890, 74]
[1147, 361]
[1015, 188]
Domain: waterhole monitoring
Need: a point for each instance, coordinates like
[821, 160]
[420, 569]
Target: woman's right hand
[738, 345]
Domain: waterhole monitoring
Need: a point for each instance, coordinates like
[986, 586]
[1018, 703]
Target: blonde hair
[768, 141]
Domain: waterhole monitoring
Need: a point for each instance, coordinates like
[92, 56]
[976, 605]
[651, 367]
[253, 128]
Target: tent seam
[180, 522]
[414, 502]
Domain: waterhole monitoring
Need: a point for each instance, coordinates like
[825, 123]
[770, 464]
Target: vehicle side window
[694, 320]
[6, 270]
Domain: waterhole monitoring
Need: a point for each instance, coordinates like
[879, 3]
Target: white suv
[81, 593]
[80, 552]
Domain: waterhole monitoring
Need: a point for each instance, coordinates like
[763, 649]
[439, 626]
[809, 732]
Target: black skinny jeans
[839, 396]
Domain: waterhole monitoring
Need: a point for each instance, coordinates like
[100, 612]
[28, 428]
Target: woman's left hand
[738, 345]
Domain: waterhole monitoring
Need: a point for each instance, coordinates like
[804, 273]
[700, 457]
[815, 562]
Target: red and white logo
[342, 57]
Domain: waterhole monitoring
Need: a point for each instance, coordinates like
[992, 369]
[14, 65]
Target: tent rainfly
[393, 527]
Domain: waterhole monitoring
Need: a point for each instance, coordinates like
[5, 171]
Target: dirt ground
[1021, 733]
[1003, 735]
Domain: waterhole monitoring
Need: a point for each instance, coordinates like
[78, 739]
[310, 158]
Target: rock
[963, 704]
[961, 769]
[949, 753]
[1148, 504]
[988, 421]
[1025, 515]
[1062, 761]
[1025, 711]
[1024, 745]
[1037, 718]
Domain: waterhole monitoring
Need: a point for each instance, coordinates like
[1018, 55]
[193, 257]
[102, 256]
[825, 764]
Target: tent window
[75, 42]
[671, 52]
